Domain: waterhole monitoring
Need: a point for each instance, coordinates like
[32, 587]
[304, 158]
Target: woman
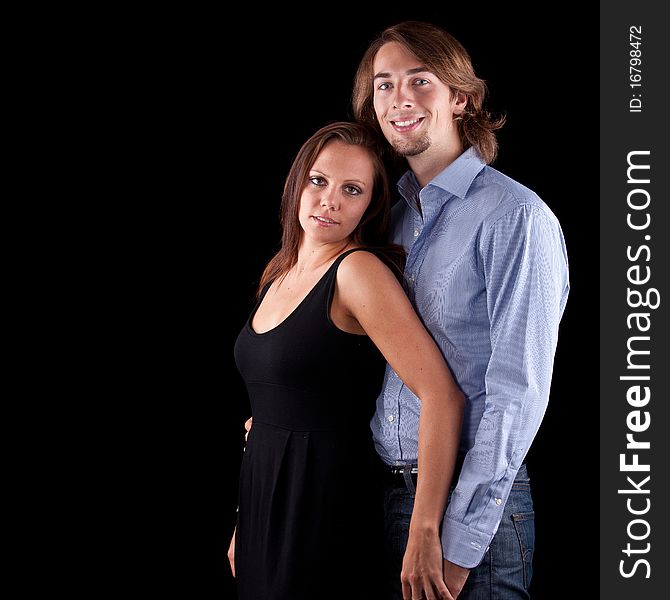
[330, 310]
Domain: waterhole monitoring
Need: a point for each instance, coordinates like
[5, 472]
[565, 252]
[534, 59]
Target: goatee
[411, 147]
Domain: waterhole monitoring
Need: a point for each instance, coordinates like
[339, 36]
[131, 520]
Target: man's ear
[460, 102]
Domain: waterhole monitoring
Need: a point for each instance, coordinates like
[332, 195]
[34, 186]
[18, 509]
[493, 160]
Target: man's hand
[231, 552]
[455, 577]
[247, 425]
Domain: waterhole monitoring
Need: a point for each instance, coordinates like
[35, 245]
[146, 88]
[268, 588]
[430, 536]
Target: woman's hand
[455, 577]
[422, 574]
[231, 552]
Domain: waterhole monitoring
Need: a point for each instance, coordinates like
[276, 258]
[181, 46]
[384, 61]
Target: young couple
[436, 502]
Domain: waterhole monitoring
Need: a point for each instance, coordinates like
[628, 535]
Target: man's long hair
[443, 55]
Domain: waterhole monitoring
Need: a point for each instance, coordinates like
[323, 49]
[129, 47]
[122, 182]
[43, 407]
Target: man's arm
[525, 267]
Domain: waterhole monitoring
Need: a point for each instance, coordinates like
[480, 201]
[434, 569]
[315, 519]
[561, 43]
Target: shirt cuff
[463, 545]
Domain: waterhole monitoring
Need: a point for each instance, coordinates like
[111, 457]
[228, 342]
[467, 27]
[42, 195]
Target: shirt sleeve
[525, 267]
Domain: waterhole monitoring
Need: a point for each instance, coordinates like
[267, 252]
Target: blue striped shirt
[487, 271]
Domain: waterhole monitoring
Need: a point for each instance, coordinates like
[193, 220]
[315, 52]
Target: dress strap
[332, 276]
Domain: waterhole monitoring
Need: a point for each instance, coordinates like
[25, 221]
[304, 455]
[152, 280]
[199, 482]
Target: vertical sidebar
[634, 293]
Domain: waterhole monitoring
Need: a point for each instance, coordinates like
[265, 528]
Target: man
[487, 271]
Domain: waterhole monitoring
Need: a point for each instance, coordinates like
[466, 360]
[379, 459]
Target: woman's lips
[324, 221]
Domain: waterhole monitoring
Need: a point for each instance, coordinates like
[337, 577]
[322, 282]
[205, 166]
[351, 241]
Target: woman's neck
[311, 257]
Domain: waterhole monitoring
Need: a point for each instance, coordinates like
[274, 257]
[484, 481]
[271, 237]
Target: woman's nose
[330, 200]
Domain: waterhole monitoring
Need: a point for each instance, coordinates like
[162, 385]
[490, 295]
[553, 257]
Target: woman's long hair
[443, 55]
[372, 231]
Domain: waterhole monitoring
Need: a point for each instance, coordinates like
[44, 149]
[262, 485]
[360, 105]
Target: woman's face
[337, 192]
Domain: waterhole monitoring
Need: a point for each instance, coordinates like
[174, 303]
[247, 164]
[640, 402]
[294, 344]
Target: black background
[235, 113]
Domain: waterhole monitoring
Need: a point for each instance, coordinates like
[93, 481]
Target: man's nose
[402, 97]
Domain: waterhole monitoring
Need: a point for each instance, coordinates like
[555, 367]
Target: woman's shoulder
[361, 257]
[362, 267]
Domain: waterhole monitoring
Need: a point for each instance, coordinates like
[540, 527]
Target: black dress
[309, 508]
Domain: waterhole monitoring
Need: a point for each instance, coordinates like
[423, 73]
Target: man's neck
[429, 164]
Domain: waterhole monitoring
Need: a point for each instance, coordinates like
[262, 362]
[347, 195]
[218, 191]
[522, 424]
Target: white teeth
[406, 123]
[325, 220]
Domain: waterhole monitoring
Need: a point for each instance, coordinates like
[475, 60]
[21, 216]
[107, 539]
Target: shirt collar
[456, 179]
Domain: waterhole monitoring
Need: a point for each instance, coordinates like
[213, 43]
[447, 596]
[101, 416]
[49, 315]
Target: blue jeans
[506, 569]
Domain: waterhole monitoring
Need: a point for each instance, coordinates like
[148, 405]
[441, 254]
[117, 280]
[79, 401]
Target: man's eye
[384, 86]
[421, 82]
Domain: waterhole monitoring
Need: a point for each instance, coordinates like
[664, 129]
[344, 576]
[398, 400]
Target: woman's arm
[368, 290]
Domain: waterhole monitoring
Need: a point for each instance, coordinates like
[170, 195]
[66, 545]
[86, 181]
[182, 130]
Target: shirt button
[498, 501]
[411, 278]
[390, 418]
[416, 233]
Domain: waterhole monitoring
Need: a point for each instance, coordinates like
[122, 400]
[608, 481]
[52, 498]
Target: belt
[400, 469]
[394, 474]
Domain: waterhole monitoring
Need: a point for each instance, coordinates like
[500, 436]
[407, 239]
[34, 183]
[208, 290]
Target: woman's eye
[384, 86]
[317, 181]
[352, 190]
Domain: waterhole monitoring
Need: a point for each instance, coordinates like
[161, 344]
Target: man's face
[414, 108]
